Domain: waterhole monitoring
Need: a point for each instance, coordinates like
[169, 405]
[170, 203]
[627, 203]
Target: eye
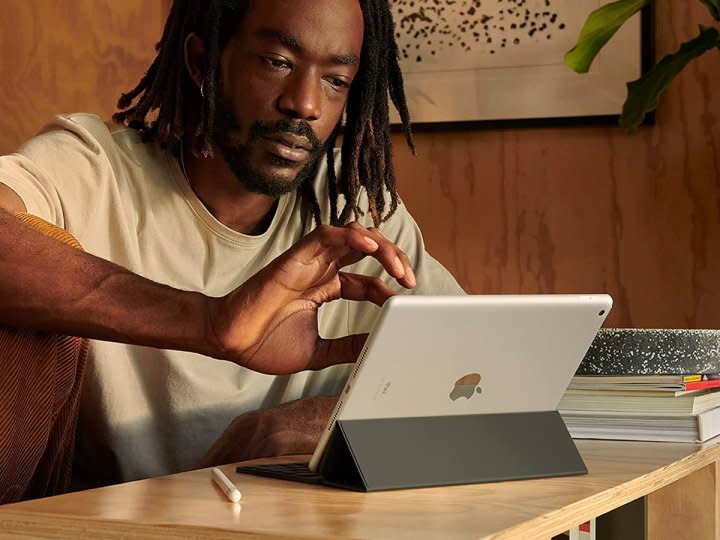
[337, 83]
[276, 63]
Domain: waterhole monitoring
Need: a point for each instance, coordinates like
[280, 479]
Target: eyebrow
[292, 42]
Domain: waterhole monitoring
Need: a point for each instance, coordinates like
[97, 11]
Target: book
[630, 402]
[584, 531]
[653, 379]
[649, 391]
[645, 383]
[664, 428]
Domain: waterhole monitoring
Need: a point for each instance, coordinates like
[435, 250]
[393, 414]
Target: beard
[238, 156]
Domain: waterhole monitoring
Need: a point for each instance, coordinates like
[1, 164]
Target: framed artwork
[502, 61]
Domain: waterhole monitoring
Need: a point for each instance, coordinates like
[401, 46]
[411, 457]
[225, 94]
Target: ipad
[474, 354]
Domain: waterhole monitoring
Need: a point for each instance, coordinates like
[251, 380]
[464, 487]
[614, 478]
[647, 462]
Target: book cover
[628, 351]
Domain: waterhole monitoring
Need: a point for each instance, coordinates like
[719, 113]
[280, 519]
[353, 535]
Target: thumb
[344, 350]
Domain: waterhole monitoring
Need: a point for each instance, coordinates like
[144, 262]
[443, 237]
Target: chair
[40, 379]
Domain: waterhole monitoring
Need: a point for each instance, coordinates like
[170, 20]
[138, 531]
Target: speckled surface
[630, 351]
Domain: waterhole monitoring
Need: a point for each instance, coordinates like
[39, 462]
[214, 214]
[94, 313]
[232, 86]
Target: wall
[68, 56]
[539, 210]
[587, 209]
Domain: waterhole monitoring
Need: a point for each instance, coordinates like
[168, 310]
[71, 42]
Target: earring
[202, 89]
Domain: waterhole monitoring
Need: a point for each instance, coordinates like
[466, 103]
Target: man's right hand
[269, 324]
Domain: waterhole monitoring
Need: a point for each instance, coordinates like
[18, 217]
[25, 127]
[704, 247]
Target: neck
[225, 197]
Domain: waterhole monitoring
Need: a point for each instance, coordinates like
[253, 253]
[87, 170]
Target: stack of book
[643, 407]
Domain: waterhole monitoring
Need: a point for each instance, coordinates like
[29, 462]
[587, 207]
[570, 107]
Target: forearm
[47, 285]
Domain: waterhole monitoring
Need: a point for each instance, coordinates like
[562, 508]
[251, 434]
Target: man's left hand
[291, 428]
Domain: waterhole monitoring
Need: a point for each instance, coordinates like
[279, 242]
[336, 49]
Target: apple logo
[466, 386]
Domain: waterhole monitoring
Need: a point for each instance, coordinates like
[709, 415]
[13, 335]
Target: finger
[347, 245]
[327, 236]
[351, 257]
[344, 350]
[341, 246]
[393, 259]
[364, 288]
[410, 279]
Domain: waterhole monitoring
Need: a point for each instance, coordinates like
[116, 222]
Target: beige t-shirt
[145, 411]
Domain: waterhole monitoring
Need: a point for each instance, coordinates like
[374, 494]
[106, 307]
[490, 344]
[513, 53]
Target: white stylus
[224, 483]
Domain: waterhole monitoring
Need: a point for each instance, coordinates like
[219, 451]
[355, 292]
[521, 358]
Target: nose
[302, 96]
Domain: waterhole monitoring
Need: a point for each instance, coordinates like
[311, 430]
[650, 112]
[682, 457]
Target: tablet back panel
[453, 355]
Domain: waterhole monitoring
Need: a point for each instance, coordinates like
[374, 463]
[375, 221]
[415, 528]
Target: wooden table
[679, 480]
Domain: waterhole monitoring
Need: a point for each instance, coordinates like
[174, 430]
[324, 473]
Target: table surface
[189, 504]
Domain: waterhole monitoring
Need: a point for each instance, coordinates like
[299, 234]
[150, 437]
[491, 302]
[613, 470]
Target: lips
[291, 140]
[289, 146]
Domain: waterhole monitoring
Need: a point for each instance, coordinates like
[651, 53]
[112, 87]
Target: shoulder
[87, 129]
[87, 133]
[68, 136]
[68, 139]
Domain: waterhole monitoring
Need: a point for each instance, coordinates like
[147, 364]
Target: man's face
[284, 82]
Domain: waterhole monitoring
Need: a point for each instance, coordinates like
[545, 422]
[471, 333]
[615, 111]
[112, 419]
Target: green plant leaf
[714, 7]
[643, 94]
[600, 26]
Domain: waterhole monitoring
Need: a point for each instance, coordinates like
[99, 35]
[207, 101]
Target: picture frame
[475, 63]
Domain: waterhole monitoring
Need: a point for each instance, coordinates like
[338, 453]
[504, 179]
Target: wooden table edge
[49, 525]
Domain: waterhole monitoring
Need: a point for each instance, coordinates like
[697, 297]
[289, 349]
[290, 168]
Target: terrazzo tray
[630, 351]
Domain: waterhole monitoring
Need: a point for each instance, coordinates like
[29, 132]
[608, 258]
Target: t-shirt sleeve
[54, 172]
[26, 178]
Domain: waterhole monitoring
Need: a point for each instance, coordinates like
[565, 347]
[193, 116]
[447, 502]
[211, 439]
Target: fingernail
[399, 267]
[372, 244]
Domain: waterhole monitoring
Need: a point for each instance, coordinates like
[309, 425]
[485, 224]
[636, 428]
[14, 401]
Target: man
[215, 190]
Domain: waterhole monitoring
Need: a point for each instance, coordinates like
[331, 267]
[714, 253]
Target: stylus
[224, 483]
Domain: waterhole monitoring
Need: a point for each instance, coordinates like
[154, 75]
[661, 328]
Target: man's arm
[268, 324]
[47, 285]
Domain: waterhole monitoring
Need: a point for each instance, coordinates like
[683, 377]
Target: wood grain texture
[60, 57]
[686, 509]
[587, 209]
[190, 505]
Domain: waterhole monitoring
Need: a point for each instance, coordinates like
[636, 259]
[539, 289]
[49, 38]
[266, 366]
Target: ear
[195, 58]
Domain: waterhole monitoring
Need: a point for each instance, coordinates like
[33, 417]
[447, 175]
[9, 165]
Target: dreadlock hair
[166, 105]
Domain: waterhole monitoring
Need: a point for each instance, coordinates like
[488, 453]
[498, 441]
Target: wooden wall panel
[59, 56]
[587, 209]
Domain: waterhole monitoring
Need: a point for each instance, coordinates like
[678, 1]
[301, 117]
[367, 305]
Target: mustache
[296, 127]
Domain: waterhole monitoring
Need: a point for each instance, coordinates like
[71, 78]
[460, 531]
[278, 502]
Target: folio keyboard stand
[380, 454]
